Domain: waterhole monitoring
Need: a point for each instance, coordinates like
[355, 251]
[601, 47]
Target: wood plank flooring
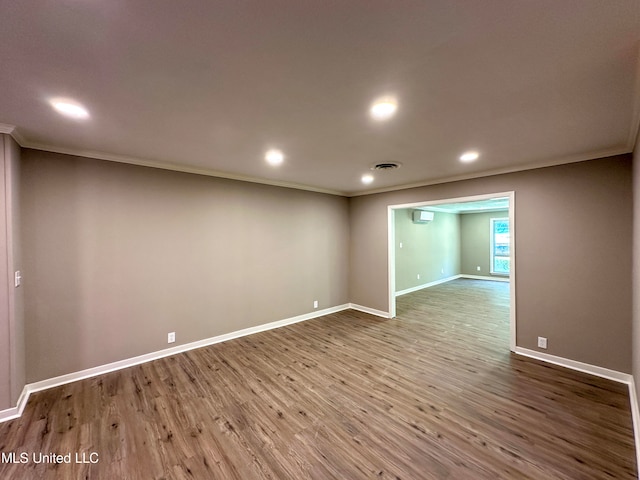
[432, 394]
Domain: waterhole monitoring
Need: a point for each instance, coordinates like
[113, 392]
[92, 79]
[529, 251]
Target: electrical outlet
[18, 278]
[478, 268]
[171, 338]
[418, 276]
[400, 244]
[315, 304]
[542, 342]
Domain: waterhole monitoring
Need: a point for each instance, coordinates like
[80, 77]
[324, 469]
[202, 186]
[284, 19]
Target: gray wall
[636, 265]
[120, 255]
[12, 351]
[427, 249]
[475, 242]
[5, 348]
[573, 235]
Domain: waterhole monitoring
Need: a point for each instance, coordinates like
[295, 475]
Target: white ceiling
[208, 85]
[475, 206]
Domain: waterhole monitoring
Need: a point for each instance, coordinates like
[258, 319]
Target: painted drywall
[573, 235]
[16, 297]
[5, 349]
[12, 352]
[120, 255]
[475, 243]
[636, 265]
[431, 250]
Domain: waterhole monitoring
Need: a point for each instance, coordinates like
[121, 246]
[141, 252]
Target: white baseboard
[635, 416]
[598, 372]
[485, 277]
[575, 365]
[426, 285]
[372, 311]
[16, 411]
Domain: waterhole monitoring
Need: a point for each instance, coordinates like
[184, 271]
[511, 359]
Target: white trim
[635, 417]
[442, 201]
[391, 258]
[602, 372]
[23, 142]
[111, 367]
[501, 171]
[613, 375]
[16, 412]
[426, 285]
[634, 131]
[18, 137]
[513, 326]
[6, 128]
[391, 251]
[575, 365]
[372, 311]
[485, 277]
[177, 168]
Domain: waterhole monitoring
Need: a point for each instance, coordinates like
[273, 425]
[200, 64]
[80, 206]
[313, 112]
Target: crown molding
[173, 167]
[14, 132]
[634, 131]
[501, 171]
[24, 143]
[6, 128]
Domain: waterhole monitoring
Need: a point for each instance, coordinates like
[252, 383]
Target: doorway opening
[501, 264]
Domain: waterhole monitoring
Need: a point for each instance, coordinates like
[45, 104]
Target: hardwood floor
[432, 394]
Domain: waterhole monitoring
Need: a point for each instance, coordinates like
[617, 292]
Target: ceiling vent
[386, 166]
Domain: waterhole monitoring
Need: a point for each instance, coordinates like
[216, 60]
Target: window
[500, 246]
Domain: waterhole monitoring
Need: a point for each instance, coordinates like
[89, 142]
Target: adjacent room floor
[432, 394]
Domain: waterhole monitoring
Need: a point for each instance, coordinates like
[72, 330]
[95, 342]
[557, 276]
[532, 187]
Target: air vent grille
[386, 166]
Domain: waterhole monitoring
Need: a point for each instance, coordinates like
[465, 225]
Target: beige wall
[120, 255]
[16, 303]
[5, 349]
[12, 349]
[636, 265]
[573, 254]
[430, 250]
[475, 242]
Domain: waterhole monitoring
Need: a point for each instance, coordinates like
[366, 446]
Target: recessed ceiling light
[367, 179]
[469, 157]
[69, 108]
[274, 157]
[383, 108]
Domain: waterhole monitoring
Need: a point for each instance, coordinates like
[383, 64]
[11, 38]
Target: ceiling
[475, 206]
[208, 86]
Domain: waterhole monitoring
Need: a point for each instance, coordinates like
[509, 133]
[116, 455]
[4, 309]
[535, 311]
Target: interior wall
[12, 352]
[120, 255]
[5, 349]
[431, 250]
[16, 298]
[636, 265]
[475, 244]
[573, 240]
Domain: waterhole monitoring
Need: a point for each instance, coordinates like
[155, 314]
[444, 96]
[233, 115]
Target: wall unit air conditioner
[422, 216]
